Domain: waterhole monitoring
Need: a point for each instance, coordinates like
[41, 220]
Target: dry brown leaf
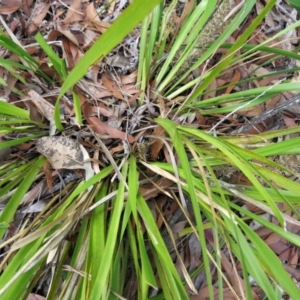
[90, 36]
[286, 255]
[200, 118]
[38, 14]
[102, 128]
[95, 91]
[93, 73]
[111, 86]
[257, 70]
[72, 53]
[211, 89]
[132, 100]
[294, 272]
[289, 122]
[92, 16]
[273, 101]
[236, 77]
[62, 152]
[10, 6]
[195, 251]
[276, 243]
[43, 106]
[101, 110]
[232, 274]
[271, 80]
[54, 34]
[158, 143]
[151, 191]
[74, 13]
[34, 193]
[48, 174]
[8, 9]
[10, 81]
[130, 90]
[129, 79]
[178, 227]
[34, 113]
[162, 106]
[293, 258]
[27, 7]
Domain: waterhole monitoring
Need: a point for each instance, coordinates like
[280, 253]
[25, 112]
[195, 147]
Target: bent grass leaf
[229, 56]
[295, 4]
[19, 141]
[100, 291]
[169, 273]
[19, 51]
[12, 110]
[12, 205]
[272, 265]
[171, 129]
[58, 63]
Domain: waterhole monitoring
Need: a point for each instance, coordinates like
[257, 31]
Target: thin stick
[269, 113]
[241, 107]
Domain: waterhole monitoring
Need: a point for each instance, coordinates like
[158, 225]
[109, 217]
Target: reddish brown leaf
[158, 143]
[236, 77]
[289, 122]
[293, 271]
[150, 190]
[92, 111]
[111, 86]
[276, 243]
[275, 100]
[200, 118]
[102, 128]
[48, 173]
[129, 79]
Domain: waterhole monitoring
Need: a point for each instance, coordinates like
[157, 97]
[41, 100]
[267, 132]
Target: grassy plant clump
[165, 179]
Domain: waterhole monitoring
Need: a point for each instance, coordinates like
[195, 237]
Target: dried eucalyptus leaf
[62, 152]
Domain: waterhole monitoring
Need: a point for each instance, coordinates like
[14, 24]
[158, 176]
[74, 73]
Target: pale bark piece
[62, 152]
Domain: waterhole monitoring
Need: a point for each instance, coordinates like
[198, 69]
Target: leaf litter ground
[109, 101]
